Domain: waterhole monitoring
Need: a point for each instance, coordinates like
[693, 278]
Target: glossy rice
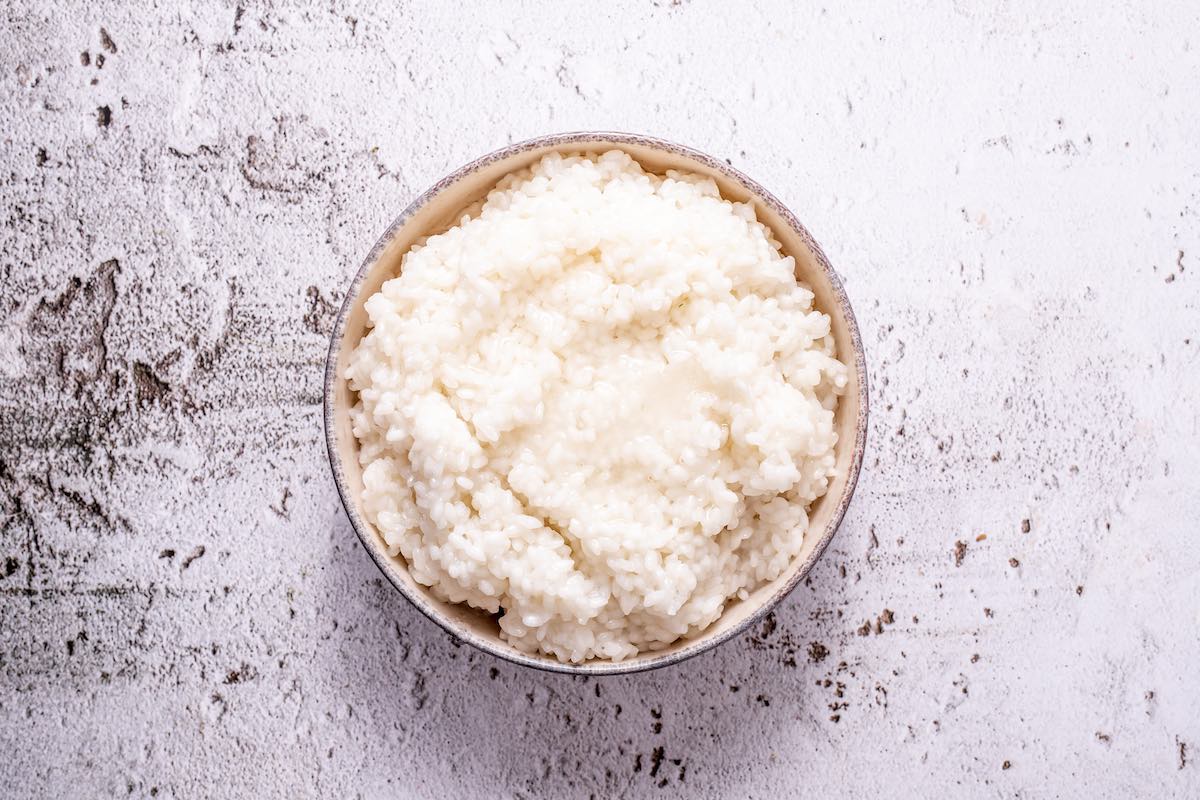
[599, 407]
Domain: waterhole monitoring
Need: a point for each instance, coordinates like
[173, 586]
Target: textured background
[1012, 194]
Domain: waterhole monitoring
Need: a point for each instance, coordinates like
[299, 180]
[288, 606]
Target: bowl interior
[439, 209]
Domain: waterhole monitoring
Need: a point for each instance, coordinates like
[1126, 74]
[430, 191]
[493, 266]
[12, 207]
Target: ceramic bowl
[438, 209]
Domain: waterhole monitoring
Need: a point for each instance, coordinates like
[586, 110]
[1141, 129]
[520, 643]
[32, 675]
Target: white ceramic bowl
[438, 209]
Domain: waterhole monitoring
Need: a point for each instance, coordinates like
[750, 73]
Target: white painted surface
[1011, 194]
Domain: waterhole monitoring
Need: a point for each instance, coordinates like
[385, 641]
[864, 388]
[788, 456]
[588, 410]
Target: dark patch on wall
[656, 759]
[244, 673]
[149, 388]
[198, 553]
[321, 313]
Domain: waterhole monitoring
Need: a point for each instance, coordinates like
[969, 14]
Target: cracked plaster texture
[1011, 192]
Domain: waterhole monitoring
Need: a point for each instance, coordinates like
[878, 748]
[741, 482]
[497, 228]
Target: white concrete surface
[1012, 192]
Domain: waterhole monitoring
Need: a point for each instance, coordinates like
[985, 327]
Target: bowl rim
[386, 564]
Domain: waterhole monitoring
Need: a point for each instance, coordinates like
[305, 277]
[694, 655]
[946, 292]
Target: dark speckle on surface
[196, 554]
[245, 672]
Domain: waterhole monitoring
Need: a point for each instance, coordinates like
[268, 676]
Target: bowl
[440, 208]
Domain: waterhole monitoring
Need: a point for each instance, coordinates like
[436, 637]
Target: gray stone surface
[1012, 195]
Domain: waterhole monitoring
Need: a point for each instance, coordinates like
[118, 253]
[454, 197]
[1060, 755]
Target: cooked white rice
[599, 407]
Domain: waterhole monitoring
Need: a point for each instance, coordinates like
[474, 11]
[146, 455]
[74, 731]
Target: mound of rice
[600, 407]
